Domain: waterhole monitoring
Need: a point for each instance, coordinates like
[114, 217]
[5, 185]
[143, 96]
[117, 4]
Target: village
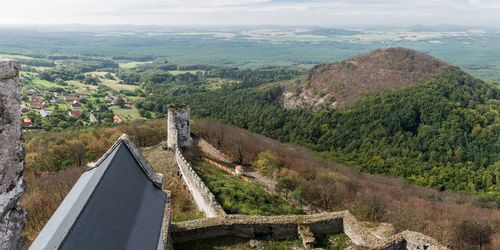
[46, 105]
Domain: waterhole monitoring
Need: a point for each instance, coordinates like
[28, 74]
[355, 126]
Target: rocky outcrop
[12, 184]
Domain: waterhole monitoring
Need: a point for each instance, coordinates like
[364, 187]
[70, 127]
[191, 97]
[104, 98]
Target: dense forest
[444, 133]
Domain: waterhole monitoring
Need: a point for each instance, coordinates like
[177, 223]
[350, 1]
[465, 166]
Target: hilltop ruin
[178, 128]
[73, 215]
[305, 227]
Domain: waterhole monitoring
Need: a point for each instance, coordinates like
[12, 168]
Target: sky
[252, 12]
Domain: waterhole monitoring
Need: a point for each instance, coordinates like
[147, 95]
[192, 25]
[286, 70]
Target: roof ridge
[155, 177]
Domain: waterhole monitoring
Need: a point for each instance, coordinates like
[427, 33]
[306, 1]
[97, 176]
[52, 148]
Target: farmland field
[178, 72]
[114, 84]
[81, 87]
[475, 52]
[127, 114]
[130, 65]
[12, 56]
[43, 83]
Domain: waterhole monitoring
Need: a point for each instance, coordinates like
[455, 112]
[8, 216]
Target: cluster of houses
[38, 102]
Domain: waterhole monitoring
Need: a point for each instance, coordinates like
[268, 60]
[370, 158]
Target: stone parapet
[288, 226]
[202, 196]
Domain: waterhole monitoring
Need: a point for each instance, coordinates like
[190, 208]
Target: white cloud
[206, 12]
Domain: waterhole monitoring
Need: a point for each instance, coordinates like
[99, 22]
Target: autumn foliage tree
[268, 164]
[284, 184]
[473, 233]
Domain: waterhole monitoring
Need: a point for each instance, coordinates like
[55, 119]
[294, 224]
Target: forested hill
[343, 83]
[443, 133]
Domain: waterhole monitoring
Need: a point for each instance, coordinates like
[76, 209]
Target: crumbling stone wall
[179, 135]
[202, 195]
[219, 224]
[288, 226]
[178, 127]
[256, 227]
[12, 184]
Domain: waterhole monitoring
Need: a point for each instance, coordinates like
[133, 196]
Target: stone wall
[165, 231]
[179, 135]
[171, 130]
[305, 227]
[202, 196]
[255, 227]
[12, 184]
[289, 226]
[178, 126]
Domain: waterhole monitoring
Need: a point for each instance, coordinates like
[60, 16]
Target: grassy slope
[239, 197]
[127, 114]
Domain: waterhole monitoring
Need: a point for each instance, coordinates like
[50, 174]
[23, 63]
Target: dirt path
[211, 151]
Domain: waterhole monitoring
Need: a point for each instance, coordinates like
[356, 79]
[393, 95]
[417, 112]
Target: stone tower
[12, 184]
[179, 131]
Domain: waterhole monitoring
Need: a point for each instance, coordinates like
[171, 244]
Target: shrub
[472, 232]
[267, 163]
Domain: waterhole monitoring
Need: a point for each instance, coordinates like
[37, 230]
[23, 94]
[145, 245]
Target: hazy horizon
[340, 13]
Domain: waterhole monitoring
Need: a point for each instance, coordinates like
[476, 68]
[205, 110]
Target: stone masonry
[202, 196]
[303, 226]
[179, 135]
[179, 131]
[218, 223]
[12, 184]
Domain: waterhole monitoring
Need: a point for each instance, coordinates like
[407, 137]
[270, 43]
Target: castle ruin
[12, 184]
[305, 227]
[178, 128]
[217, 223]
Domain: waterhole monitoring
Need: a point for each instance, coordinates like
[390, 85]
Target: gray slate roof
[117, 204]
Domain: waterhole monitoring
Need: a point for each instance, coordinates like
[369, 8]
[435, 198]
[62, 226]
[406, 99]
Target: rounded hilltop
[342, 83]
